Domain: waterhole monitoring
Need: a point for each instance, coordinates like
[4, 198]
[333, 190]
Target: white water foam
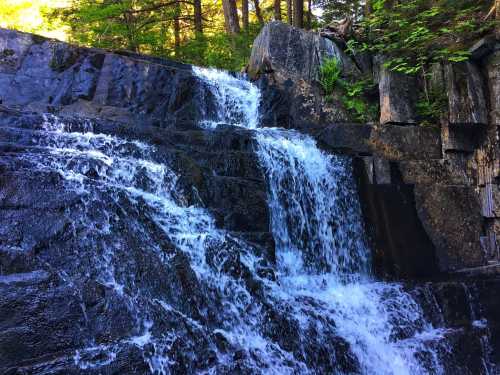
[322, 252]
[322, 274]
[237, 100]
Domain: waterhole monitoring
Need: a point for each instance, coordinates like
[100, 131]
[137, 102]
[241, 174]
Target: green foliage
[432, 106]
[334, 10]
[412, 34]
[220, 50]
[357, 102]
[149, 26]
[353, 94]
[329, 74]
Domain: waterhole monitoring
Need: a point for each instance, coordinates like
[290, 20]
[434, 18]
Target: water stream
[205, 306]
[323, 254]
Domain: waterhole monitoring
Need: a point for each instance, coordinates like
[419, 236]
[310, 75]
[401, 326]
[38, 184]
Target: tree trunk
[177, 29]
[368, 7]
[230, 17]
[289, 11]
[131, 34]
[258, 13]
[244, 14]
[198, 23]
[497, 17]
[309, 15]
[298, 13]
[277, 10]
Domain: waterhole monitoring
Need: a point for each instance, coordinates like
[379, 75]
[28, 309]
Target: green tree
[413, 34]
[335, 10]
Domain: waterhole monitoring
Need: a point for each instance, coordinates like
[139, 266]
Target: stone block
[459, 138]
[451, 216]
[398, 95]
[466, 94]
[436, 171]
[406, 142]
[349, 138]
[493, 73]
[382, 171]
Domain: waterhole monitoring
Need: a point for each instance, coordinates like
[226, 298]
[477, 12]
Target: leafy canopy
[416, 33]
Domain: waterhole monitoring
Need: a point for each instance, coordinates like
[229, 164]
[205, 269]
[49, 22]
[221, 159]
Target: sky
[27, 16]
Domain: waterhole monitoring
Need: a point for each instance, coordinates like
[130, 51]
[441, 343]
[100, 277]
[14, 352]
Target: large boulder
[47, 75]
[466, 94]
[287, 62]
[452, 218]
[289, 52]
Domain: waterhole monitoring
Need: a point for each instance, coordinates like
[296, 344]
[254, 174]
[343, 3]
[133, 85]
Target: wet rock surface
[97, 274]
[48, 75]
[286, 62]
[75, 262]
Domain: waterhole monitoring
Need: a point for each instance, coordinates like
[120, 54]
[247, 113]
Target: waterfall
[237, 100]
[323, 254]
[189, 297]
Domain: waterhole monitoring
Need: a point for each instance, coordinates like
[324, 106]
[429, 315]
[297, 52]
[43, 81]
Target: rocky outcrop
[76, 262]
[287, 60]
[398, 96]
[410, 194]
[292, 53]
[419, 184]
[47, 75]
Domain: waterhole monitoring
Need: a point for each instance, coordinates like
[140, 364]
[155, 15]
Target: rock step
[226, 137]
[492, 269]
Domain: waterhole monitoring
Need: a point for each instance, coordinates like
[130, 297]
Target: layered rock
[418, 197]
[48, 75]
[419, 184]
[287, 61]
[84, 258]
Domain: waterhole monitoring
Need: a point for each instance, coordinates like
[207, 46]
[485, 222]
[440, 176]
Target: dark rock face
[43, 74]
[398, 96]
[466, 95]
[95, 276]
[451, 208]
[286, 61]
[78, 263]
[424, 215]
[400, 244]
[89, 253]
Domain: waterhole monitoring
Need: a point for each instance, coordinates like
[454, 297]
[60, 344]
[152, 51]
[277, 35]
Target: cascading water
[322, 254]
[237, 99]
[188, 297]
[104, 168]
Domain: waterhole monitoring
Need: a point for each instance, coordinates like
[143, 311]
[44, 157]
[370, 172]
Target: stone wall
[430, 193]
